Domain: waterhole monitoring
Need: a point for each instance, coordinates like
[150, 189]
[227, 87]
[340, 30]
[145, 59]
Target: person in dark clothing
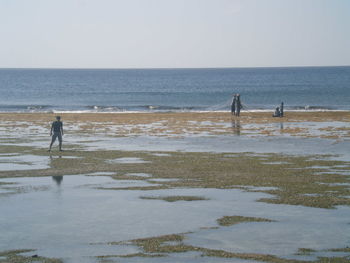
[233, 104]
[281, 109]
[238, 105]
[56, 132]
[277, 113]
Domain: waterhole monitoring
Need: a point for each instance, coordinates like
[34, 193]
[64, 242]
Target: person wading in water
[238, 105]
[56, 132]
[233, 104]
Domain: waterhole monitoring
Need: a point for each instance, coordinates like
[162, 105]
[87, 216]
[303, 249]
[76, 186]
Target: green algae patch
[247, 256]
[184, 123]
[333, 260]
[175, 198]
[312, 180]
[345, 249]
[14, 256]
[162, 246]
[305, 251]
[232, 220]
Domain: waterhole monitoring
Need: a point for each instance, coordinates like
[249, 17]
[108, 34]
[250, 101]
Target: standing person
[238, 105]
[56, 132]
[233, 104]
[281, 109]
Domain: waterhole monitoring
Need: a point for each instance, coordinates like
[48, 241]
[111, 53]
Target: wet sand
[328, 124]
[297, 166]
[124, 118]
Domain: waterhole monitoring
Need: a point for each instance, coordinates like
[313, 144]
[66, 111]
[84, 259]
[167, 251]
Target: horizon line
[168, 68]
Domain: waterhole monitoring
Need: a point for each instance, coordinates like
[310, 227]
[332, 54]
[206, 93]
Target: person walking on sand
[233, 104]
[56, 132]
[238, 104]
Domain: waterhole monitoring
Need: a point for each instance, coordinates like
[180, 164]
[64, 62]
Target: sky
[173, 33]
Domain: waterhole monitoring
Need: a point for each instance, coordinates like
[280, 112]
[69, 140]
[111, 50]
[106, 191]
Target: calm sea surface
[108, 90]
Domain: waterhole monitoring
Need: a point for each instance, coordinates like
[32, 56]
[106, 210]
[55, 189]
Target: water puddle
[23, 162]
[73, 218]
[296, 227]
[164, 180]
[275, 163]
[16, 161]
[128, 160]
[102, 173]
[139, 175]
[227, 144]
[161, 154]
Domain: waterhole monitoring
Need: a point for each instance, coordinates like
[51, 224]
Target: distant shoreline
[246, 116]
[174, 68]
[171, 112]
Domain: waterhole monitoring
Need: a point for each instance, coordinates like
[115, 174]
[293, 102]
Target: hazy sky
[174, 33]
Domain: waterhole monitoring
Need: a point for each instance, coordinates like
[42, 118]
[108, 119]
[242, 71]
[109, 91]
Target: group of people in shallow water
[236, 106]
[279, 111]
[57, 126]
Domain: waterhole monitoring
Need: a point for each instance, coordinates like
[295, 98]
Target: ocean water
[153, 90]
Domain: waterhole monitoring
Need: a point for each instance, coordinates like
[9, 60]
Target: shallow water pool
[73, 218]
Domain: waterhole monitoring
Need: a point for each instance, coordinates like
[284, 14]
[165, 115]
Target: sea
[174, 90]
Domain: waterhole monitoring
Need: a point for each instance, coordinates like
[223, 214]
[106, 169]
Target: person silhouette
[238, 105]
[281, 109]
[233, 104]
[277, 113]
[56, 132]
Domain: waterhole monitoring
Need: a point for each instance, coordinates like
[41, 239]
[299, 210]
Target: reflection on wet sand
[58, 179]
[236, 127]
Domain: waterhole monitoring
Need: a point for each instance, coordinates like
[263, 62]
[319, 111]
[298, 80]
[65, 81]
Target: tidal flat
[194, 190]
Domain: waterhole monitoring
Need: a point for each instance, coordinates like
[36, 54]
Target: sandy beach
[335, 124]
[129, 117]
[219, 177]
